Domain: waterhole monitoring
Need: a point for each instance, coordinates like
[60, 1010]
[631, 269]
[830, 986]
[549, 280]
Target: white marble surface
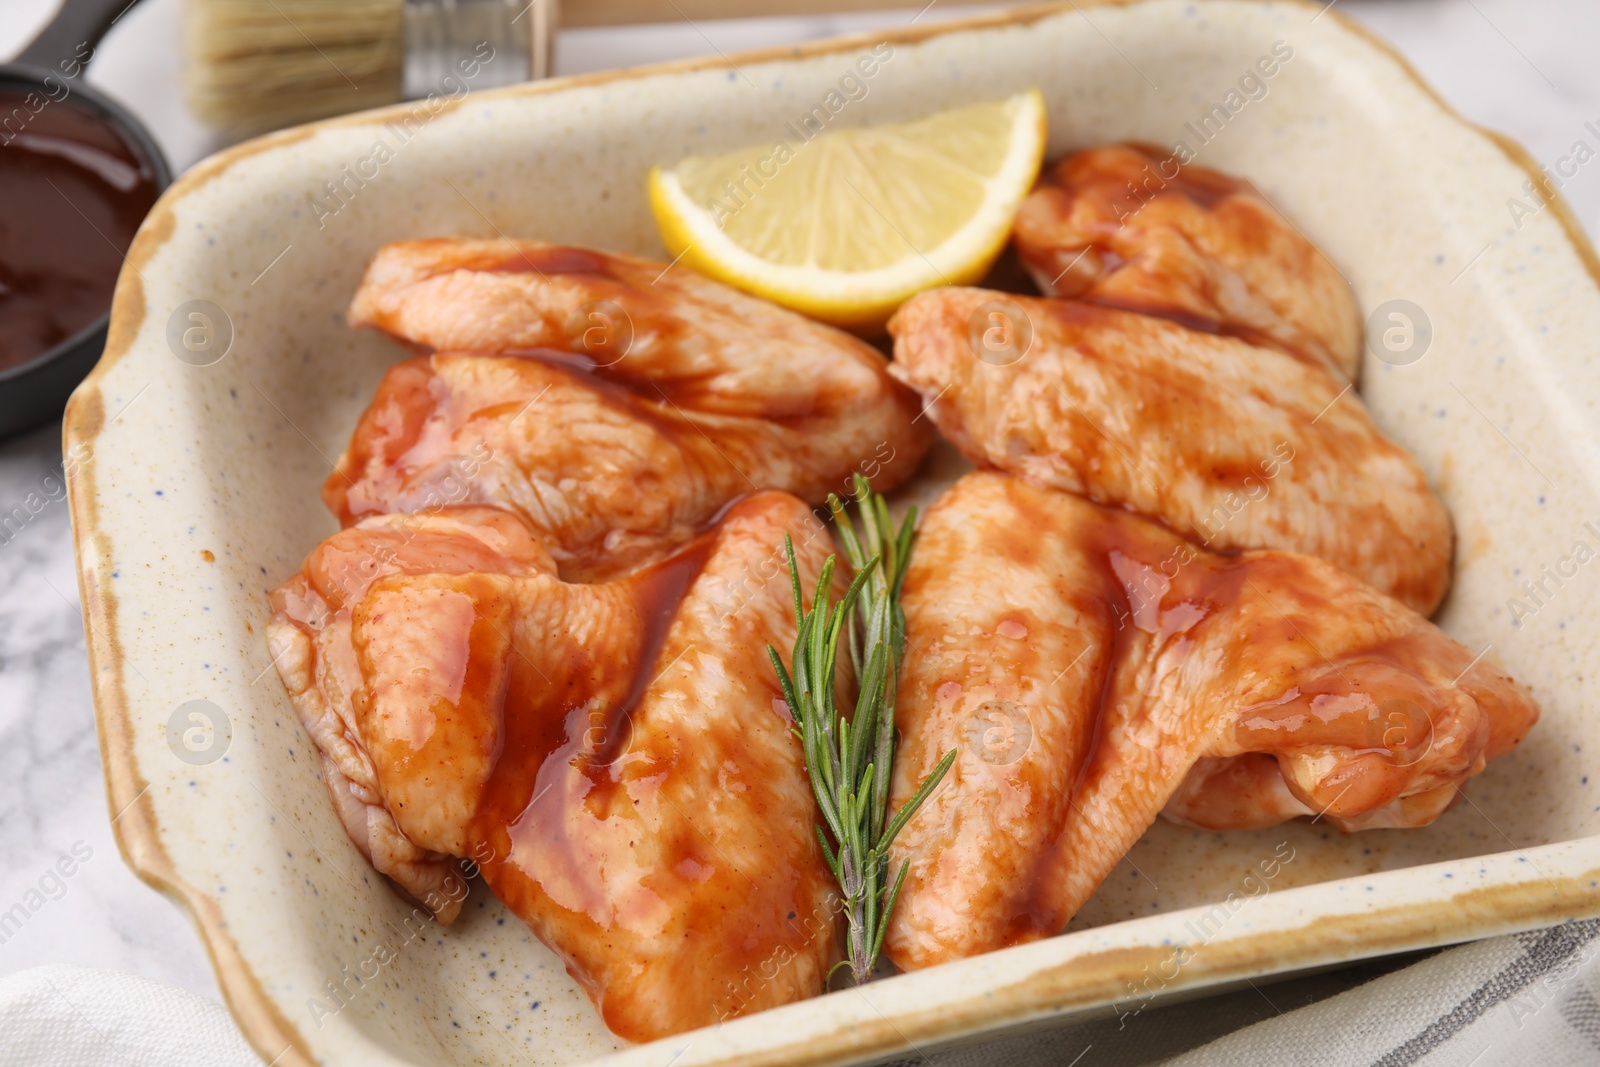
[1524, 67]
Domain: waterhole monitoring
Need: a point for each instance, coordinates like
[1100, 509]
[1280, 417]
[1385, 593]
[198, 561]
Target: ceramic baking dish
[230, 383]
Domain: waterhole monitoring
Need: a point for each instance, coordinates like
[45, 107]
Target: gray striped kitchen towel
[1525, 1000]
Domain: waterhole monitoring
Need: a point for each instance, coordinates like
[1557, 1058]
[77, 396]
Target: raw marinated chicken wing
[310, 640]
[1233, 445]
[1092, 668]
[615, 758]
[616, 404]
[1126, 226]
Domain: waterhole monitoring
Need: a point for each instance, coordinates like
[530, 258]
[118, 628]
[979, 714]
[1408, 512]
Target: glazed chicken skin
[616, 404]
[1086, 663]
[1233, 445]
[1125, 226]
[616, 758]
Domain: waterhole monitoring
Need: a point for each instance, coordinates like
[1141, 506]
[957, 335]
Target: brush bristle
[253, 65]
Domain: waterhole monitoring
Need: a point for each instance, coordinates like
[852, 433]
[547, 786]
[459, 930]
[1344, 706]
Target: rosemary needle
[850, 760]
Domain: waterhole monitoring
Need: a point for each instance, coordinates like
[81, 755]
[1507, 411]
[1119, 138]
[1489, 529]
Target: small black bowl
[35, 392]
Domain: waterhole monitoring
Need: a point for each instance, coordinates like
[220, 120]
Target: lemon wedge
[847, 224]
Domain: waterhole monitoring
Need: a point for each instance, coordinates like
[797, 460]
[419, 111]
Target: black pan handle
[66, 44]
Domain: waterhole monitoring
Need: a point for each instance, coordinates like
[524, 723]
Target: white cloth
[75, 1017]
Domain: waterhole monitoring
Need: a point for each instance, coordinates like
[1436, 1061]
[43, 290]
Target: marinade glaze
[1084, 662]
[616, 758]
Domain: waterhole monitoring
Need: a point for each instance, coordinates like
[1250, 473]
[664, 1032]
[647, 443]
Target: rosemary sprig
[850, 760]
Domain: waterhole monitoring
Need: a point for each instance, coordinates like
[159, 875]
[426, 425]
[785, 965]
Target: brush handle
[68, 40]
[584, 14]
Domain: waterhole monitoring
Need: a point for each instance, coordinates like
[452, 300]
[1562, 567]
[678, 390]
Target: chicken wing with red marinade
[1127, 226]
[616, 758]
[1113, 662]
[1231, 444]
[614, 403]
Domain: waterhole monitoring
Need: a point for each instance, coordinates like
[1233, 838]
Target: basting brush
[253, 65]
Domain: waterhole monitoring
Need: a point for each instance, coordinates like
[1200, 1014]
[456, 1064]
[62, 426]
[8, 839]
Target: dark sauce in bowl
[72, 192]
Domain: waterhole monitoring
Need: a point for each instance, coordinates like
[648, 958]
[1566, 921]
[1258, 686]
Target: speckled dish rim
[1089, 979]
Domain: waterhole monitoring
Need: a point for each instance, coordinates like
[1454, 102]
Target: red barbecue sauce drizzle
[582, 717]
